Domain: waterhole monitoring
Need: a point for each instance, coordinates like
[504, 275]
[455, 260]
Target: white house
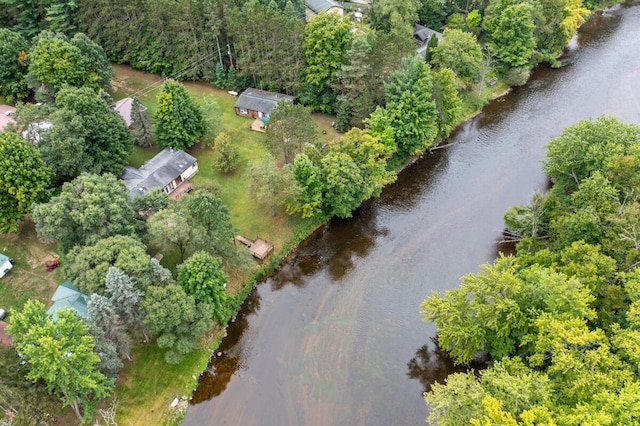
[169, 170]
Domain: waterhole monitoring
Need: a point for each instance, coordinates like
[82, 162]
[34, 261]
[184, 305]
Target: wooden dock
[260, 248]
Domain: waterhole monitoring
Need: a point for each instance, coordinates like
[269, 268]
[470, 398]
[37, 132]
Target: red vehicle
[53, 265]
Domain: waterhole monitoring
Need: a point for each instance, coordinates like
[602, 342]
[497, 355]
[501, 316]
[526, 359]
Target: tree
[269, 183]
[23, 402]
[448, 103]
[308, 177]
[371, 158]
[495, 310]
[213, 118]
[512, 34]
[179, 122]
[396, 17]
[62, 16]
[168, 229]
[61, 354]
[209, 219]
[289, 129]
[96, 63]
[202, 277]
[142, 130]
[89, 208]
[107, 141]
[226, 155]
[326, 37]
[411, 111]
[460, 52]
[126, 298]
[87, 266]
[64, 145]
[343, 184]
[55, 61]
[24, 179]
[586, 147]
[104, 315]
[13, 65]
[175, 319]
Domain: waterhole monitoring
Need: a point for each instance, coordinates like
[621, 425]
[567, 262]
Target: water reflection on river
[335, 337]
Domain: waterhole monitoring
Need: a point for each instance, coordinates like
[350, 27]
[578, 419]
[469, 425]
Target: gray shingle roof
[158, 172]
[260, 100]
[319, 5]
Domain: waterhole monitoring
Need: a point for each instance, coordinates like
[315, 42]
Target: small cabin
[256, 103]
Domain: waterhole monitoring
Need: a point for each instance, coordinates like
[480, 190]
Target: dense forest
[559, 320]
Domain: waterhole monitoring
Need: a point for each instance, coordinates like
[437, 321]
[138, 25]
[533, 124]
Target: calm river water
[336, 338]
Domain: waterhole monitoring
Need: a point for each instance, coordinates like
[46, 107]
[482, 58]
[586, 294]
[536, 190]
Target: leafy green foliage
[87, 266]
[61, 354]
[326, 38]
[271, 184]
[24, 402]
[202, 277]
[289, 129]
[175, 319]
[460, 52]
[410, 108]
[227, 156]
[511, 29]
[448, 103]
[98, 130]
[308, 178]
[13, 65]
[89, 208]
[142, 129]
[24, 179]
[179, 122]
[126, 298]
[343, 184]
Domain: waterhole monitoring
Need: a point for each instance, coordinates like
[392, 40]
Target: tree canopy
[89, 208]
[24, 179]
[179, 122]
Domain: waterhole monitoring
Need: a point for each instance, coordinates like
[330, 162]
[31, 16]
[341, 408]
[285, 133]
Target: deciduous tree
[226, 154]
[24, 180]
[289, 129]
[13, 65]
[89, 208]
[61, 354]
[87, 266]
[202, 277]
[460, 52]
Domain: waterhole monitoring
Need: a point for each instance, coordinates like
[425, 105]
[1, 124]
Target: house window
[243, 110]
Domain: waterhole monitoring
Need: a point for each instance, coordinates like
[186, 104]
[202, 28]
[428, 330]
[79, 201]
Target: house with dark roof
[314, 7]
[258, 103]
[169, 170]
[68, 296]
[422, 35]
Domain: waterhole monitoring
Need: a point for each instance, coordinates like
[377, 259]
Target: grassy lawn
[145, 398]
[29, 278]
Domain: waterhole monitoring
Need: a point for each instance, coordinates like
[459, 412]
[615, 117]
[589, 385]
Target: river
[335, 337]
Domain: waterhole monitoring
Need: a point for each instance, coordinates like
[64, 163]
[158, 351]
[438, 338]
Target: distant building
[124, 107]
[314, 7]
[169, 170]
[422, 35]
[68, 296]
[258, 103]
[6, 112]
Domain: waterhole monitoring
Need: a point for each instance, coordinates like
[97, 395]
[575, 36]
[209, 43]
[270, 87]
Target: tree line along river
[335, 337]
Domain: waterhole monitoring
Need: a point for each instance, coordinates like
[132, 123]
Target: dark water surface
[335, 338]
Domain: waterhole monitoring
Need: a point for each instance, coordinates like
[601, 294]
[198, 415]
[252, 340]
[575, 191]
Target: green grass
[29, 278]
[148, 385]
[145, 398]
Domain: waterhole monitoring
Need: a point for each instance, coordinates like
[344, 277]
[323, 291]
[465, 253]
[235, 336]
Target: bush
[517, 76]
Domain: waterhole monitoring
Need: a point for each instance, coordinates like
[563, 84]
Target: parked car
[3, 314]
